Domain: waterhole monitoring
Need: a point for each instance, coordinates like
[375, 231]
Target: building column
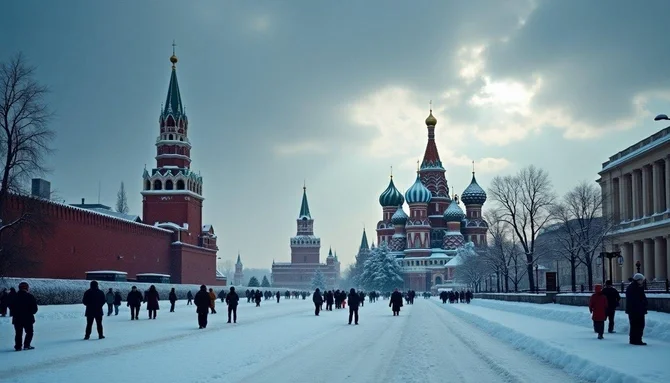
[628, 268]
[657, 191]
[646, 186]
[667, 257]
[624, 198]
[635, 191]
[648, 262]
[616, 200]
[667, 185]
[660, 258]
[637, 255]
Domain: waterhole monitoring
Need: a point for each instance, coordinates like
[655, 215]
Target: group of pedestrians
[604, 302]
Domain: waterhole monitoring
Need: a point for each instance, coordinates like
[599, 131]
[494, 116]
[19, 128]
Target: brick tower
[305, 245]
[172, 192]
[238, 278]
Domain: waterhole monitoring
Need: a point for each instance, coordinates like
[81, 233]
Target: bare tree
[524, 202]
[122, 200]
[227, 268]
[473, 268]
[25, 137]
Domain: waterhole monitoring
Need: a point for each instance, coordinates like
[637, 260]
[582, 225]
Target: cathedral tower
[476, 227]
[417, 229]
[172, 192]
[238, 277]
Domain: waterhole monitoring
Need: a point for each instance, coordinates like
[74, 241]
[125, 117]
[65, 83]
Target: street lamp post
[637, 266]
[609, 255]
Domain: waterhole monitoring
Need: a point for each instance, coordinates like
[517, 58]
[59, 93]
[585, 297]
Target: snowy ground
[278, 342]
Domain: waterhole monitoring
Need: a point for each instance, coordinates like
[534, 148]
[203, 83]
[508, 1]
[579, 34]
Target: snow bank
[569, 362]
[657, 324]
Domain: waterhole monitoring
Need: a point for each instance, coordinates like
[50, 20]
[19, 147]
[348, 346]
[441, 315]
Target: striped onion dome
[417, 193]
[391, 196]
[473, 194]
[454, 213]
[399, 217]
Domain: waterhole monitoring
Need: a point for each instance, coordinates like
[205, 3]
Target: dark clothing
[173, 299]
[613, 298]
[353, 312]
[134, 312]
[354, 301]
[134, 298]
[636, 308]
[94, 299]
[636, 323]
[152, 299]
[317, 308]
[610, 320]
[318, 301]
[232, 311]
[396, 302]
[117, 299]
[232, 299]
[23, 308]
[599, 327]
[202, 303]
[89, 325]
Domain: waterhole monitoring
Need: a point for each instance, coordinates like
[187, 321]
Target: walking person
[232, 299]
[94, 299]
[395, 302]
[598, 310]
[152, 299]
[636, 308]
[189, 298]
[212, 303]
[173, 299]
[354, 302]
[202, 305]
[318, 301]
[3, 302]
[24, 308]
[134, 301]
[613, 299]
[110, 302]
[278, 295]
[117, 301]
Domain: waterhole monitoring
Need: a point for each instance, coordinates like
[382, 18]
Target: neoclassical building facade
[636, 188]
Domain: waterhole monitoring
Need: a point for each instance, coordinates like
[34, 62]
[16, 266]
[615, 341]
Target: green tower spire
[304, 207]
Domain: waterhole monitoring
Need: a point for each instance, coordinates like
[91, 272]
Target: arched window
[170, 137]
[147, 185]
[158, 185]
[169, 185]
[438, 280]
[180, 185]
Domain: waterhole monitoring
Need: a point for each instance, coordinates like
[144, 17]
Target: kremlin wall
[65, 241]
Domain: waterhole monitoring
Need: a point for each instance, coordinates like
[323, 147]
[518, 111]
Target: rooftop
[654, 141]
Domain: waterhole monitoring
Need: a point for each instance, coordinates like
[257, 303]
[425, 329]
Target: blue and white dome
[473, 194]
[391, 196]
[417, 193]
[454, 213]
[399, 217]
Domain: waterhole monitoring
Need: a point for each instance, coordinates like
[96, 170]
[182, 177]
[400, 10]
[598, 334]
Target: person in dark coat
[109, 297]
[10, 298]
[117, 301]
[396, 302]
[189, 298]
[278, 295]
[232, 299]
[202, 303]
[330, 298]
[598, 310]
[318, 301]
[613, 299]
[134, 301]
[3, 303]
[636, 308]
[173, 299]
[94, 300]
[24, 308]
[354, 302]
[152, 299]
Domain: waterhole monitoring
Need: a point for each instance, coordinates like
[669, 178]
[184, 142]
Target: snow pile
[571, 362]
[657, 324]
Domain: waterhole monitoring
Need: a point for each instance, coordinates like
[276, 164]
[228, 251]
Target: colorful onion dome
[399, 217]
[473, 194]
[454, 213]
[417, 193]
[431, 120]
[391, 196]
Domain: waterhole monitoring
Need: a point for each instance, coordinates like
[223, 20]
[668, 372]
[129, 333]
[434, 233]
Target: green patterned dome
[391, 196]
[418, 193]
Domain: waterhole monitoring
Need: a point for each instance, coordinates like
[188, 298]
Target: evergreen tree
[319, 280]
[381, 271]
[265, 282]
[253, 282]
[122, 200]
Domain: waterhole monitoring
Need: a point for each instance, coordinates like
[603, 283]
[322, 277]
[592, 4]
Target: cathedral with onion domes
[426, 239]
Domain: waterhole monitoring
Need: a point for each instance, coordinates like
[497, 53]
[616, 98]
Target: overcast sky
[335, 93]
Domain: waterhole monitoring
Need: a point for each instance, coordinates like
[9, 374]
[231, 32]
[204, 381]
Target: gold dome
[431, 120]
[173, 59]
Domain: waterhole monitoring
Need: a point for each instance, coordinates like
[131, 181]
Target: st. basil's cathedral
[426, 240]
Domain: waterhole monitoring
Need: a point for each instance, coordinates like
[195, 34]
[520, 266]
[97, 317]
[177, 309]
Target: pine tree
[122, 200]
[319, 280]
[265, 282]
[381, 271]
[253, 282]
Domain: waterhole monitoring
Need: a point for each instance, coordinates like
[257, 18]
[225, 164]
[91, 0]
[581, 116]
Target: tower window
[170, 137]
[169, 185]
[158, 185]
[147, 185]
[180, 185]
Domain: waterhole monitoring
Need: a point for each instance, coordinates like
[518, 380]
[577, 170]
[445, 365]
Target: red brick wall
[197, 265]
[176, 208]
[77, 241]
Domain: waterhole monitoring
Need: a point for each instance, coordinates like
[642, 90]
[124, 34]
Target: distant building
[238, 278]
[66, 241]
[636, 189]
[305, 257]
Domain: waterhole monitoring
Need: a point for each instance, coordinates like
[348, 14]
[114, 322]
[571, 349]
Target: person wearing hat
[636, 308]
[202, 304]
[94, 300]
[24, 308]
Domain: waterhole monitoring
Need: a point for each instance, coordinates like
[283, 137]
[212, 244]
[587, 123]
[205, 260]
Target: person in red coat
[598, 309]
